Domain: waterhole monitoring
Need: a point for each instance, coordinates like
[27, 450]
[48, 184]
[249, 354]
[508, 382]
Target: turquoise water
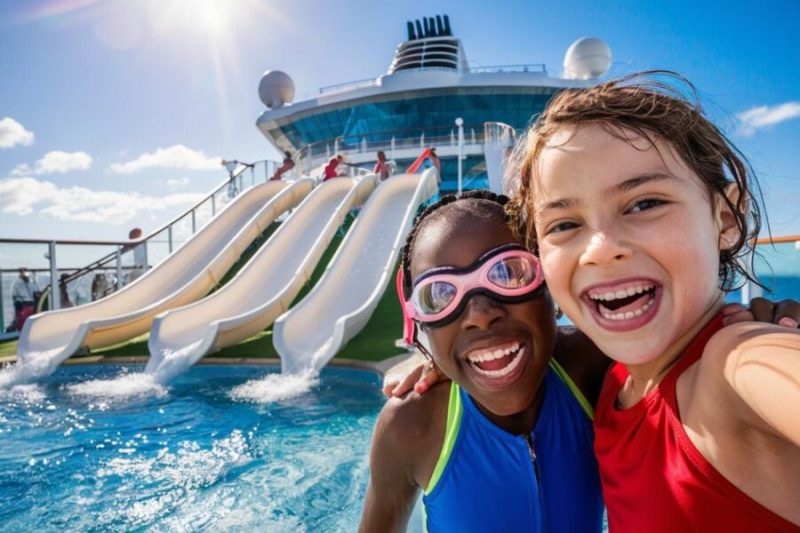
[215, 451]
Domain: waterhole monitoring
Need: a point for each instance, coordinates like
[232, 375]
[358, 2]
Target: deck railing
[313, 155]
[777, 266]
[118, 262]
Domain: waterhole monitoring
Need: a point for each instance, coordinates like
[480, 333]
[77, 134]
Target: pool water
[214, 451]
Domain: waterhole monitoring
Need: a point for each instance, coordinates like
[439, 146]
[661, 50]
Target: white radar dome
[586, 58]
[275, 89]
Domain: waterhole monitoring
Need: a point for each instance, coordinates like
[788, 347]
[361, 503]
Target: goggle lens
[432, 297]
[512, 273]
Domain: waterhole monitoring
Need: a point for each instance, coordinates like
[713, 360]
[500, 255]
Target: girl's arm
[406, 445]
[761, 363]
[422, 377]
[391, 492]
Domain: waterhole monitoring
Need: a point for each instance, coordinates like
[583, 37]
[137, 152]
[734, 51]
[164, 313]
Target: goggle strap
[418, 345]
[408, 324]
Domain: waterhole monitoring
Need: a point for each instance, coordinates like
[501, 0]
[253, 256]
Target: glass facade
[407, 115]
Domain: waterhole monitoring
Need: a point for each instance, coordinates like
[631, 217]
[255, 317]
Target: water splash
[164, 365]
[26, 392]
[179, 474]
[124, 386]
[160, 370]
[30, 367]
[275, 388]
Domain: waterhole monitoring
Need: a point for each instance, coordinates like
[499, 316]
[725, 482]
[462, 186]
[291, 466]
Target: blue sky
[114, 113]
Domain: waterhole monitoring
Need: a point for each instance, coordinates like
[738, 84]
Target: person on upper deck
[381, 167]
[286, 166]
[332, 169]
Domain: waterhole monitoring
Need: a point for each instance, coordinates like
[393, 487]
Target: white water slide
[189, 273]
[263, 289]
[340, 305]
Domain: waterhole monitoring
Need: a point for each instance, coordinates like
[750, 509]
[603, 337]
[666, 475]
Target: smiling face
[629, 241]
[497, 352]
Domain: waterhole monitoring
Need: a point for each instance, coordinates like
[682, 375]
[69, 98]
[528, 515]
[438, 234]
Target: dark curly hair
[654, 105]
[483, 203]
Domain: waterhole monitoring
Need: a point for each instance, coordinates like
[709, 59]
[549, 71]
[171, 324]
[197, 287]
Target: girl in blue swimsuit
[508, 445]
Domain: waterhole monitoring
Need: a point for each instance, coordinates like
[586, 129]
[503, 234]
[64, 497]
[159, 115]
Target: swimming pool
[214, 451]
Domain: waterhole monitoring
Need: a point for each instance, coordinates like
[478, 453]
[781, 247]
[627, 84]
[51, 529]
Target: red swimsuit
[654, 479]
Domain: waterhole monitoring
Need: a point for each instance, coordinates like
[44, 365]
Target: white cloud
[177, 156]
[27, 195]
[55, 161]
[174, 184]
[761, 116]
[13, 133]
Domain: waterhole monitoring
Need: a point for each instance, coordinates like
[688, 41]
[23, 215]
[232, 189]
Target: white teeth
[502, 371]
[628, 314]
[491, 355]
[621, 293]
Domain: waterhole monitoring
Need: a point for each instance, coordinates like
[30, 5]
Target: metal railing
[371, 82]
[119, 262]
[357, 84]
[777, 266]
[315, 154]
[532, 67]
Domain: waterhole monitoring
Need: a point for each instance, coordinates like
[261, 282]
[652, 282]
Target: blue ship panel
[408, 115]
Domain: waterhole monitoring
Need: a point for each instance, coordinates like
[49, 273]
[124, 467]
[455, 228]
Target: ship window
[442, 48]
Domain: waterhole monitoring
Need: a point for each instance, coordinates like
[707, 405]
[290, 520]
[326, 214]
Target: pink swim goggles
[508, 273]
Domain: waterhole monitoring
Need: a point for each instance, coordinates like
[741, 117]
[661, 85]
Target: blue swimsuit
[487, 479]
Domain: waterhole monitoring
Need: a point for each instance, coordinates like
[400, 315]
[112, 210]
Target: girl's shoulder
[411, 429]
[744, 366]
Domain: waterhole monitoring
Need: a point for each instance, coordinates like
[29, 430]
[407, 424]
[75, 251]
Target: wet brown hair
[654, 105]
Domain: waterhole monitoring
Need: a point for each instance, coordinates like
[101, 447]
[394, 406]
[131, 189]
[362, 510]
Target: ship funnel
[411, 34]
[430, 44]
[438, 26]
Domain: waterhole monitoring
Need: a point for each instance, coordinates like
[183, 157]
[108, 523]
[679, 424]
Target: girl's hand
[421, 378]
[784, 313]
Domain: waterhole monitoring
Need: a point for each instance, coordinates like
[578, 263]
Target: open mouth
[496, 362]
[624, 303]
[624, 306]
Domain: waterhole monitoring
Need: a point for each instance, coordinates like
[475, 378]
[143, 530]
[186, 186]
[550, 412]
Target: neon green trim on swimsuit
[454, 411]
[560, 372]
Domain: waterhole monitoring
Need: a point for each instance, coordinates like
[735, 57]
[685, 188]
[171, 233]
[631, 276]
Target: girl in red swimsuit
[641, 209]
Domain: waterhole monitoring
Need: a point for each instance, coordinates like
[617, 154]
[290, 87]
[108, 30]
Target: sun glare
[211, 18]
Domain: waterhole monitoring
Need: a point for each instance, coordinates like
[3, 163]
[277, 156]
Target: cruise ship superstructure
[429, 84]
